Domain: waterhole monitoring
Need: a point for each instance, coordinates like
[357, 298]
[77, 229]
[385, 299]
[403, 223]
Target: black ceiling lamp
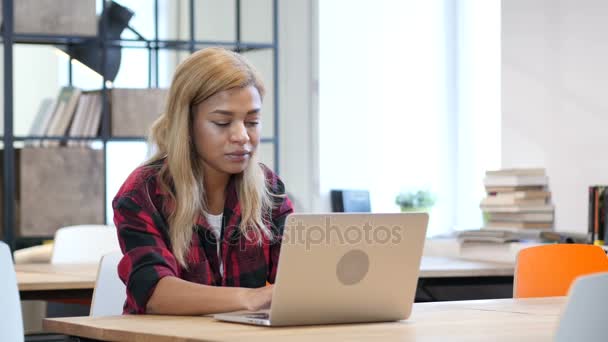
[89, 52]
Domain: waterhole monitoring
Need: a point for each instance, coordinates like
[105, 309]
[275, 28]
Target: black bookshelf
[8, 139]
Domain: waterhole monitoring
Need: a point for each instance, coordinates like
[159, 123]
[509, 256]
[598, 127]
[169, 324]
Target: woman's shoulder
[144, 179]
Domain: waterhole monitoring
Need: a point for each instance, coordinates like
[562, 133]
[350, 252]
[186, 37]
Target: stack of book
[74, 113]
[78, 114]
[598, 214]
[517, 199]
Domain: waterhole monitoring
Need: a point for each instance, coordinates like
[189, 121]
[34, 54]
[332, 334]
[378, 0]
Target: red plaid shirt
[143, 232]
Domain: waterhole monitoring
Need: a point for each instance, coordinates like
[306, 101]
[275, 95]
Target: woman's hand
[174, 296]
[258, 299]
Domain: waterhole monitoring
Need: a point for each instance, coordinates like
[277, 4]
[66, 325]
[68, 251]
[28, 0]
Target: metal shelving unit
[10, 38]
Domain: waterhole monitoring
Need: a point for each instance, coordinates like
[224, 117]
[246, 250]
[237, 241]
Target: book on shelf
[68, 100]
[513, 181]
[518, 235]
[517, 172]
[507, 189]
[598, 211]
[500, 235]
[75, 113]
[78, 113]
[516, 177]
[90, 121]
[80, 116]
[517, 199]
[63, 114]
[510, 201]
[543, 208]
[564, 237]
[519, 225]
[521, 217]
[93, 123]
[42, 119]
[39, 125]
[521, 194]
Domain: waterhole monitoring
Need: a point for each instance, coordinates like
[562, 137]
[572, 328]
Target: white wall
[554, 108]
[34, 77]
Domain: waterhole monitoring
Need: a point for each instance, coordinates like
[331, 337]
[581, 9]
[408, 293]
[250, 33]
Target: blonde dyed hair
[200, 76]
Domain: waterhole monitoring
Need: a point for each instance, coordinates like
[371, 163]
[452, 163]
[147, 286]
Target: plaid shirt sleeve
[282, 208]
[142, 236]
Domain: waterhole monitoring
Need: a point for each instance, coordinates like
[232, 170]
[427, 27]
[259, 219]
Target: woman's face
[226, 129]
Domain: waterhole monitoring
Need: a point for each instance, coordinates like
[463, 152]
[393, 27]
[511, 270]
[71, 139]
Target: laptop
[344, 268]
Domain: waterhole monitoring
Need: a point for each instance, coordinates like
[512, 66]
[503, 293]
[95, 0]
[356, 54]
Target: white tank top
[215, 222]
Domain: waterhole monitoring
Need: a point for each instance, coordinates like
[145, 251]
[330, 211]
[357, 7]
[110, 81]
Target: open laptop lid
[346, 267]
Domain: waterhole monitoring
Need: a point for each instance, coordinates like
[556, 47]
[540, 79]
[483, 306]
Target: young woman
[200, 223]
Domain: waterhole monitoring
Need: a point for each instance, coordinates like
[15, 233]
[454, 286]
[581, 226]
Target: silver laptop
[344, 268]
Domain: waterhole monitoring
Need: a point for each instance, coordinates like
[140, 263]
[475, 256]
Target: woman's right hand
[258, 299]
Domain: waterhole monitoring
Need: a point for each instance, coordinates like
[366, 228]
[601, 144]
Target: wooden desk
[44, 281]
[443, 267]
[49, 281]
[446, 278]
[496, 320]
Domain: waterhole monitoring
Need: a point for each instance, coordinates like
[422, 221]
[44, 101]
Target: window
[398, 108]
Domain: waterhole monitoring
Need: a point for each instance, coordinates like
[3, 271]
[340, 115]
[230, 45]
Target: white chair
[72, 244]
[586, 313]
[110, 293]
[83, 244]
[11, 324]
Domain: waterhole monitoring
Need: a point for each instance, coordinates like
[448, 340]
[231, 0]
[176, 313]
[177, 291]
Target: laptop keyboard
[262, 315]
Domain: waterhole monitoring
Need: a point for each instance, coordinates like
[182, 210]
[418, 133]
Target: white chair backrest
[586, 313]
[110, 293]
[83, 244]
[11, 324]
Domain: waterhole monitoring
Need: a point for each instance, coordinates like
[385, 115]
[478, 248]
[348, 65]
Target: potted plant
[421, 200]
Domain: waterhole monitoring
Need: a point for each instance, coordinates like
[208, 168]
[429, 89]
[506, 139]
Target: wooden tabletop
[44, 277]
[496, 320]
[443, 267]
[37, 277]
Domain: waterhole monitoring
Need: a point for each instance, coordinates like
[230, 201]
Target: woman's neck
[215, 183]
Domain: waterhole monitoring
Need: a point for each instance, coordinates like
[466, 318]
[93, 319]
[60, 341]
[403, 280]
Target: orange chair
[546, 271]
